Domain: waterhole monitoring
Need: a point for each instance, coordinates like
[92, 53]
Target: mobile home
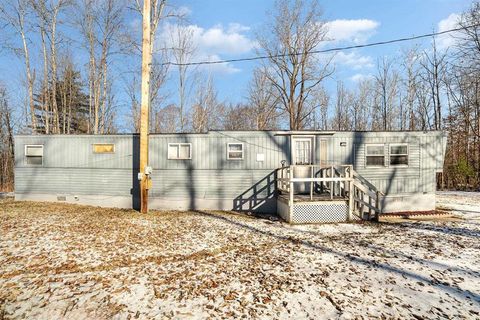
[305, 176]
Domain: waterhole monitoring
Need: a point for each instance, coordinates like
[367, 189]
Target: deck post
[350, 199]
[377, 205]
[370, 207]
[290, 202]
[332, 184]
[311, 183]
[362, 206]
[291, 193]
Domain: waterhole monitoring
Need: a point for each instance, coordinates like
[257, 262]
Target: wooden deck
[308, 193]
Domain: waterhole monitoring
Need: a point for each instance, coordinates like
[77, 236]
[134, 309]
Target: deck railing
[339, 181]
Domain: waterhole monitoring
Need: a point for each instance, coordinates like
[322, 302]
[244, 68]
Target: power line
[373, 44]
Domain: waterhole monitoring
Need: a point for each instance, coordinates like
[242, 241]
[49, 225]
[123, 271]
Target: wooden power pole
[144, 113]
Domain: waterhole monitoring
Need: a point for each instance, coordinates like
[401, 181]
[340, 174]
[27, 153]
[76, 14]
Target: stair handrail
[366, 188]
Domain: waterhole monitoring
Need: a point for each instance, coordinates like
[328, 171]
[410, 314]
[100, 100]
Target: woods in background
[421, 88]
[6, 143]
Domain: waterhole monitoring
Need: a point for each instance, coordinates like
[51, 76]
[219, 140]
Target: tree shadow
[465, 232]
[135, 190]
[423, 261]
[348, 256]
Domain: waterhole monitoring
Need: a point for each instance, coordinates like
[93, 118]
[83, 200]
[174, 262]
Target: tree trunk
[53, 53]
[30, 78]
[45, 95]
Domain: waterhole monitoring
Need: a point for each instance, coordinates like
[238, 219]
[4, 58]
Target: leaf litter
[70, 261]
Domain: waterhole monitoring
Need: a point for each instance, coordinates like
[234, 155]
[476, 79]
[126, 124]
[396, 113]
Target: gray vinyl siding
[71, 167]
[212, 184]
[209, 152]
[62, 151]
[73, 181]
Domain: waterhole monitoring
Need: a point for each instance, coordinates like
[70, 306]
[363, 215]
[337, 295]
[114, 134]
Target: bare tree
[101, 24]
[16, 14]
[322, 100]
[6, 145]
[49, 13]
[343, 106]
[433, 64]
[239, 117]
[362, 105]
[468, 40]
[207, 112]
[160, 12]
[158, 77]
[86, 23]
[386, 81]
[181, 39]
[263, 100]
[165, 119]
[469, 51]
[296, 29]
[410, 64]
[46, 99]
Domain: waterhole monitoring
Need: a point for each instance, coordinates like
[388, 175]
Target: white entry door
[302, 151]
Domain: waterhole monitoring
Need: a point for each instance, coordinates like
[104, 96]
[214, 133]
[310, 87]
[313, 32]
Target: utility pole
[144, 175]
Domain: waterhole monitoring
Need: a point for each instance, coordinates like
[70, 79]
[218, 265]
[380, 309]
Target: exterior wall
[207, 181]
[210, 181]
[408, 188]
[71, 169]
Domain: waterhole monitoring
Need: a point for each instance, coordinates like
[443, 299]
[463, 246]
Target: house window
[399, 155]
[303, 151]
[375, 155]
[235, 151]
[179, 151]
[34, 154]
[103, 148]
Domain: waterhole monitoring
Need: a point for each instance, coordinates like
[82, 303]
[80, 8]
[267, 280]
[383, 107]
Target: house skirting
[267, 205]
[108, 201]
[408, 202]
[314, 211]
[390, 204]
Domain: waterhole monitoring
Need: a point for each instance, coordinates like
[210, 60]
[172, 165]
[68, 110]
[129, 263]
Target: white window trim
[103, 144]
[180, 144]
[26, 156]
[367, 155]
[303, 138]
[400, 154]
[228, 151]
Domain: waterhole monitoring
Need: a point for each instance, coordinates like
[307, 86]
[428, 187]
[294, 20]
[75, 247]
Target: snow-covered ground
[462, 204]
[68, 261]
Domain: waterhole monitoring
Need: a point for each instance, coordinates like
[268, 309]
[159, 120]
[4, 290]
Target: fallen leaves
[59, 260]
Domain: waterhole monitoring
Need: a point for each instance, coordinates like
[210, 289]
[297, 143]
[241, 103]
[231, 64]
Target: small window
[399, 155]
[34, 154]
[179, 151]
[303, 151]
[103, 148]
[235, 151]
[375, 155]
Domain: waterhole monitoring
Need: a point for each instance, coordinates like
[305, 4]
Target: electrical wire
[336, 49]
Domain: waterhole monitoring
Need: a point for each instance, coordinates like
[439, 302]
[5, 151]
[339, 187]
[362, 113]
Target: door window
[303, 151]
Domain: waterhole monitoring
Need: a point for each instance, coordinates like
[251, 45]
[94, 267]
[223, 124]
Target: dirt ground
[76, 262]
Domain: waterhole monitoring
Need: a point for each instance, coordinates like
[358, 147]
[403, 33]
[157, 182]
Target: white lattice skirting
[314, 212]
